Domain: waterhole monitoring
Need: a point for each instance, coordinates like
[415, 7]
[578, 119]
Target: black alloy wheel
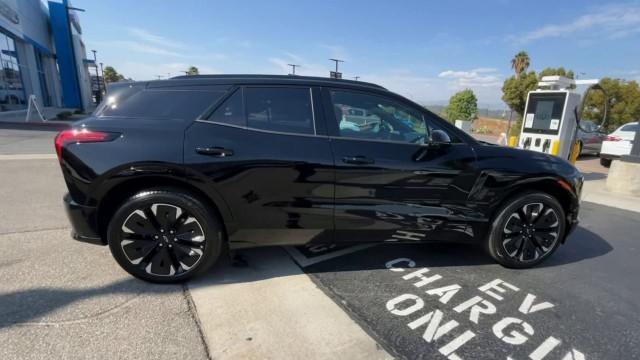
[163, 236]
[527, 230]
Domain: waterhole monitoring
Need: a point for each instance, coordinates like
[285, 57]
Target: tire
[516, 244]
[164, 236]
[605, 162]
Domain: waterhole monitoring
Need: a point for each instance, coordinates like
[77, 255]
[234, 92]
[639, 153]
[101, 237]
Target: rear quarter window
[630, 127]
[160, 104]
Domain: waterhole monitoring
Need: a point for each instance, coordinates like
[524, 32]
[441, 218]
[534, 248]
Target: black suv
[169, 173]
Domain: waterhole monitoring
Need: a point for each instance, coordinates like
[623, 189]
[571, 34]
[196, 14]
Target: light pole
[336, 74]
[293, 68]
[95, 63]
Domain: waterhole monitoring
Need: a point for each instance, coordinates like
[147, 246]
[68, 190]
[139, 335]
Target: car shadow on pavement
[593, 176]
[37, 306]
[580, 246]
[34, 305]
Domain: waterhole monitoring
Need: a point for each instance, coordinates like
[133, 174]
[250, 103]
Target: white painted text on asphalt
[512, 330]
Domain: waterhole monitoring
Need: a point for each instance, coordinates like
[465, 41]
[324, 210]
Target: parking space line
[304, 261]
[28, 157]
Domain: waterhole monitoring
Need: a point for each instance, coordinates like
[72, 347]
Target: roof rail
[265, 76]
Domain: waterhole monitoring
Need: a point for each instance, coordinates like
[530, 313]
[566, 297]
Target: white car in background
[618, 143]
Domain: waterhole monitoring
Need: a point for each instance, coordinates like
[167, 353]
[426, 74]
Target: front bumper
[83, 221]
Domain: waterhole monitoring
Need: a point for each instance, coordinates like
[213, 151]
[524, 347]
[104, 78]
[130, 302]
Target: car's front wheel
[605, 162]
[526, 230]
[164, 236]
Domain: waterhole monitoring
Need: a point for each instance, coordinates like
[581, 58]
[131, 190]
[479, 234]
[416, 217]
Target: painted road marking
[313, 254]
[435, 323]
[28, 157]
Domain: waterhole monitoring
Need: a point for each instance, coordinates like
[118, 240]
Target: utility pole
[293, 68]
[95, 63]
[336, 74]
[356, 78]
[105, 83]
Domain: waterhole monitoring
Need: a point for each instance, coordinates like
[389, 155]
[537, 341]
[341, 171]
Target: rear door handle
[358, 160]
[214, 151]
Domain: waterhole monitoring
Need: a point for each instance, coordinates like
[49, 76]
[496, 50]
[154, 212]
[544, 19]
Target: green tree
[515, 90]
[463, 105]
[556, 71]
[624, 103]
[520, 63]
[111, 75]
[193, 70]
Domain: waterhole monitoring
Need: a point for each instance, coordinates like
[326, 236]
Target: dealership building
[43, 56]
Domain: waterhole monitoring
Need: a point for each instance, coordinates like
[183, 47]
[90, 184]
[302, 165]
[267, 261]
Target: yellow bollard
[574, 152]
[555, 146]
[513, 141]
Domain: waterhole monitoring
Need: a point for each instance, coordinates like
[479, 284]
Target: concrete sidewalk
[270, 309]
[17, 119]
[595, 191]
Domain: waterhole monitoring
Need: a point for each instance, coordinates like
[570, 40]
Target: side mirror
[440, 137]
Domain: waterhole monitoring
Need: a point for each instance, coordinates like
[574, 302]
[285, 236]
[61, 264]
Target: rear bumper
[609, 156]
[83, 221]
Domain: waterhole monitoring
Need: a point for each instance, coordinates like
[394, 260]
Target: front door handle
[214, 151]
[358, 160]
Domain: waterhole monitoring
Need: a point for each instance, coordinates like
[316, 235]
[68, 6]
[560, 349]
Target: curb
[45, 126]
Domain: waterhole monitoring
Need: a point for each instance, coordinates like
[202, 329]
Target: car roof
[229, 79]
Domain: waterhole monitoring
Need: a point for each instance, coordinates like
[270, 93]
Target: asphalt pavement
[434, 301]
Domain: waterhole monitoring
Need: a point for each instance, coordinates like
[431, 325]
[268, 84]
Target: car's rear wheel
[164, 236]
[526, 230]
[605, 162]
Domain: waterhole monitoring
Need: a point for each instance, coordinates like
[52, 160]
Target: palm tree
[520, 63]
[192, 70]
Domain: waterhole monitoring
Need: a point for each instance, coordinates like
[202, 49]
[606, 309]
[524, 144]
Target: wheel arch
[554, 187]
[117, 194]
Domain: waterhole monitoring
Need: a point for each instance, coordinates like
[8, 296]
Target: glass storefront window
[12, 95]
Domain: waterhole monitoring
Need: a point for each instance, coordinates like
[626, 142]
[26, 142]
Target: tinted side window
[279, 109]
[374, 117]
[230, 111]
[162, 104]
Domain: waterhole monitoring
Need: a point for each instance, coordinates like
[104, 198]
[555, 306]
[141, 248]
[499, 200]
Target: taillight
[80, 136]
[612, 138]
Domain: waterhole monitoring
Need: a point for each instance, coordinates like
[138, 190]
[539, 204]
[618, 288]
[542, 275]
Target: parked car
[169, 173]
[618, 143]
[591, 139]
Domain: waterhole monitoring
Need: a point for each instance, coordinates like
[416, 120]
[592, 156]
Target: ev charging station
[551, 117]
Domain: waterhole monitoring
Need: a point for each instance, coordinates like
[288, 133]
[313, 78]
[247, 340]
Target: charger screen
[544, 113]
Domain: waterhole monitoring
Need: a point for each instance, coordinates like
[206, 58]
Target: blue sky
[424, 50]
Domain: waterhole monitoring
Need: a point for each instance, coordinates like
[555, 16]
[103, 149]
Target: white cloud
[146, 71]
[306, 68]
[611, 21]
[145, 48]
[336, 51]
[150, 38]
[480, 77]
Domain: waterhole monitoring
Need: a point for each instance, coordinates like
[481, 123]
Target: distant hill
[482, 112]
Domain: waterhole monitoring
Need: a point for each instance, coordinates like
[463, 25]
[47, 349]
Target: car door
[393, 181]
[262, 151]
